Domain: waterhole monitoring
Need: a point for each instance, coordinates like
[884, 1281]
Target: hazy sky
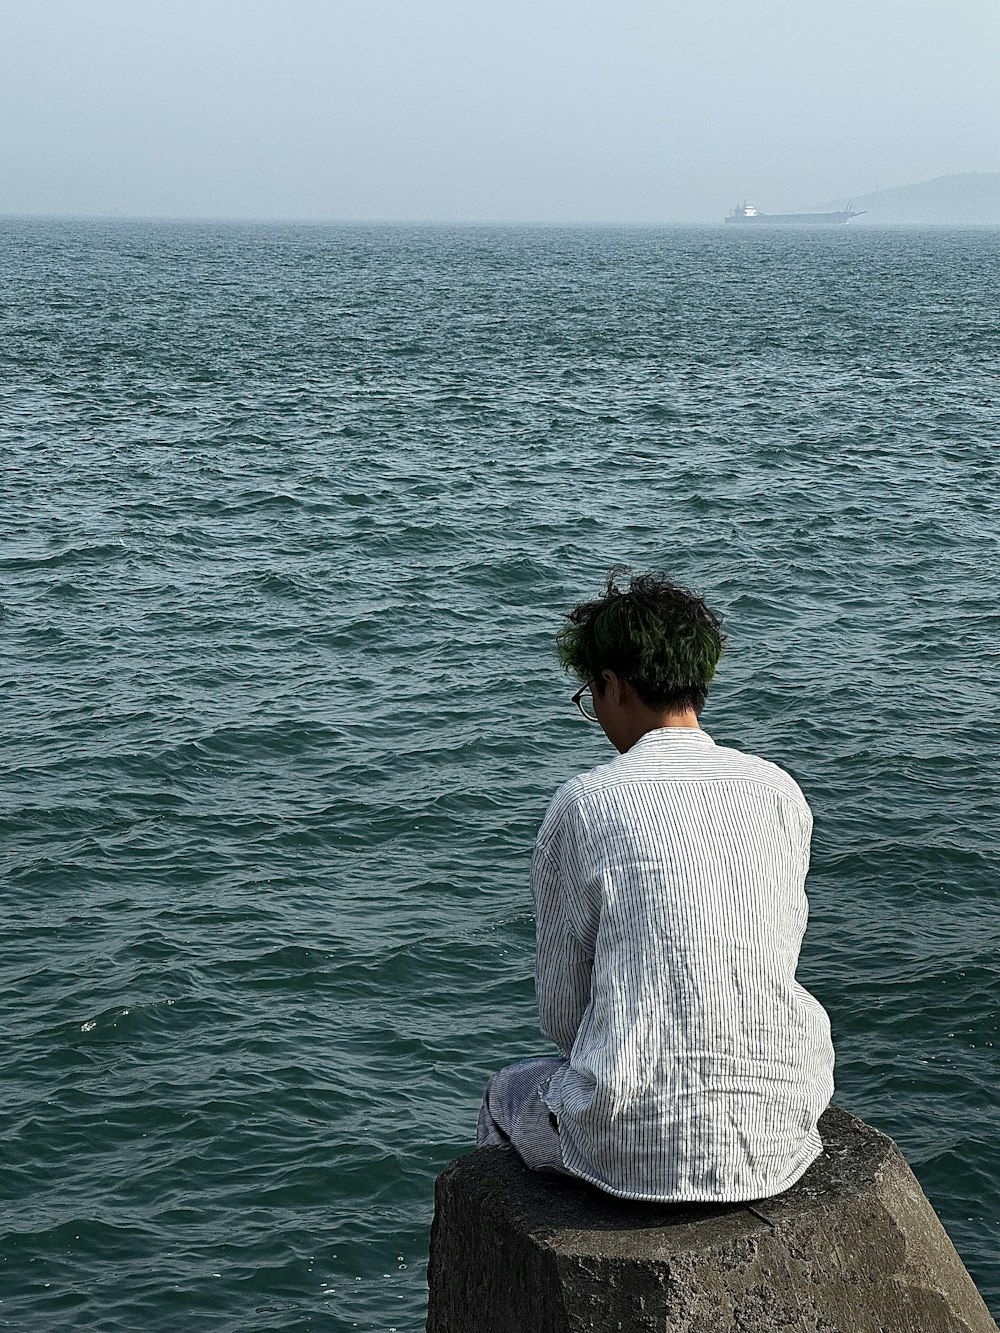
[491, 109]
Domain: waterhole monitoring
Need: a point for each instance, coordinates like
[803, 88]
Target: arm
[563, 963]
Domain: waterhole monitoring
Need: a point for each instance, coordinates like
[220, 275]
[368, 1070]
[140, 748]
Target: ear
[614, 687]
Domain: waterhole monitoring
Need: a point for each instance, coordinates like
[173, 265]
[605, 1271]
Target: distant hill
[973, 196]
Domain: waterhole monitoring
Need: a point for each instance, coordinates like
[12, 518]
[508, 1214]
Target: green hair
[661, 638]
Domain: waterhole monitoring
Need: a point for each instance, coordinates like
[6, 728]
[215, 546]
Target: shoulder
[561, 810]
[566, 810]
[752, 768]
[757, 778]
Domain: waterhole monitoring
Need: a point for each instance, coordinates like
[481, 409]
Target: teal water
[288, 518]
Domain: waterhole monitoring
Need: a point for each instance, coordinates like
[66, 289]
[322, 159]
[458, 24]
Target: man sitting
[670, 909]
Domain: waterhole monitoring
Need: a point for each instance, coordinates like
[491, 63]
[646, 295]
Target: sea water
[289, 518]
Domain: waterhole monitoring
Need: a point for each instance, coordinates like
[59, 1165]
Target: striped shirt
[670, 909]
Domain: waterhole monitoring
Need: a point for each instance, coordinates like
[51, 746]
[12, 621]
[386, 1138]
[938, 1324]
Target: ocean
[288, 520]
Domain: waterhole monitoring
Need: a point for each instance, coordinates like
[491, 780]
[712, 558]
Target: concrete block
[854, 1247]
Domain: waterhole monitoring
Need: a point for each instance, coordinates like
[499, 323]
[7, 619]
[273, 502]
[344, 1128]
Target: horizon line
[370, 220]
[290, 220]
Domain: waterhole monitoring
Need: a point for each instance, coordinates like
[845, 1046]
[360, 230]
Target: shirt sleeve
[563, 964]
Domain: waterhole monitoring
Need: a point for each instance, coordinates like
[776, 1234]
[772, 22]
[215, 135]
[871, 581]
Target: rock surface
[854, 1247]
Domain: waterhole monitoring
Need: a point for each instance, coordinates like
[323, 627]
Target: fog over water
[442, 109]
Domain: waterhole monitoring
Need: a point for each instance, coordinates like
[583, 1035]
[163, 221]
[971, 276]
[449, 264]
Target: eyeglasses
[584, 700]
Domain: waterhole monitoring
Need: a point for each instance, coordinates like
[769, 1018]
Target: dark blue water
[288, 519]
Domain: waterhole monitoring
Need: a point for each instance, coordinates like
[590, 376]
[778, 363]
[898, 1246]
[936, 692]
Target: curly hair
[661, 638]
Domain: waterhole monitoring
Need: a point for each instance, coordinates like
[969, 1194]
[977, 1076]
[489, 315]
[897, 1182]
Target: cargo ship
[746, 215]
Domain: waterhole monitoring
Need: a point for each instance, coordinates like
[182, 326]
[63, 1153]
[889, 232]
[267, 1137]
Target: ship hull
[792, 219]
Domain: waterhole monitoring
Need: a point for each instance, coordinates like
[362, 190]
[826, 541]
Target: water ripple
[289, 516]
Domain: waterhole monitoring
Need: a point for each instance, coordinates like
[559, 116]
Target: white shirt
[670, 909]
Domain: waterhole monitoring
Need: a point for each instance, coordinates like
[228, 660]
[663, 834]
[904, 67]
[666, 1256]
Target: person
[670, 909]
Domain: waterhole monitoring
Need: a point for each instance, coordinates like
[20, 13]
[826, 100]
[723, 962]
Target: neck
[651, 720]
[688, 719]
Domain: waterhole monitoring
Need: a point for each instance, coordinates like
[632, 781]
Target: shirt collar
[674, 736]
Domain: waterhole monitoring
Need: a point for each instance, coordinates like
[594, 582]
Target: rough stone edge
[497, 1269]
